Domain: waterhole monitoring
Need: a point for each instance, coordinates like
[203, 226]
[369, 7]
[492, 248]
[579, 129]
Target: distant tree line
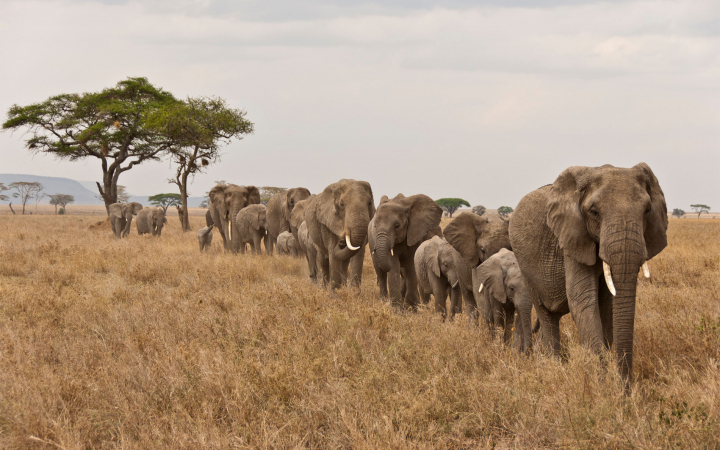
[26, 191]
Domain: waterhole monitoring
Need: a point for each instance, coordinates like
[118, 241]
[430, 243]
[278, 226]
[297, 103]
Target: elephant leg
[269, 244]
[471, 308]
[508, 312]
[411, 295]
[581, 285]
[256, 241]
[424, 296]
[455, 301]
[335, 272]
[356, 265]
[439, 291]
[605, 304]
[382, 282]
[126, 232]
[549, 328]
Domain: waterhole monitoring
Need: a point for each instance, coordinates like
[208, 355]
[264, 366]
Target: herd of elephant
[575, 246]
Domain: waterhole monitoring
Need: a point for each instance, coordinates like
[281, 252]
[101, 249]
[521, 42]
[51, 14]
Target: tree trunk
[183, 194]
[10, 205]
[56, 209]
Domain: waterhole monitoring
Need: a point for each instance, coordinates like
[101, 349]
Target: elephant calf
[307, 246]
[151, 220]
[502, 296]
[251, 227]
[287, 245]
[437, 274]
[205, 237]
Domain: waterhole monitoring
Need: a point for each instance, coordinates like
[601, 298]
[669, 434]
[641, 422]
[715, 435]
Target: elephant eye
[594, 212]
[397, 225]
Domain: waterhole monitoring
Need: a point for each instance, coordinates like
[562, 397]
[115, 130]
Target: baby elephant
[205, 237]
[251, 227]
[437, 274]
[151, 220]
[502, 297]
[287, 245]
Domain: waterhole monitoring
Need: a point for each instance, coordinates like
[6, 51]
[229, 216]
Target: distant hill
[55, 185]
[85, 192]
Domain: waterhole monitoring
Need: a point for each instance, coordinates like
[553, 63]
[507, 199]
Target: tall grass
[146, 343]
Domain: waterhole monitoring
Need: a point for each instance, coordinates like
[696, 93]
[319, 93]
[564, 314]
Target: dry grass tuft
[146, 343]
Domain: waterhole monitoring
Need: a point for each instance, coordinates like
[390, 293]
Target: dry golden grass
[146, 343]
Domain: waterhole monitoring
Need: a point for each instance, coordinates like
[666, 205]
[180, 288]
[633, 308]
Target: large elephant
[337, 220]
[287, 245]
[438, 275]
[279, 209]
[151, 220]
[226, 201]
[251, 228]
[580, 243]
[503, 298]
[121, 215]
[475, 238]
[399, 227]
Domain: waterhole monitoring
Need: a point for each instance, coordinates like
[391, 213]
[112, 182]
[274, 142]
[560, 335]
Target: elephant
[121, 215]
[287, 245]
[208, 219]
[226, 201]
[437, 274]
[306, 245]
[279, 209]
[205, 237]
[503, 299]
[151, 220]
[251, 228]
[399, 227]
[337, 221]
[297, 217]
[475, 238]
[580, 243]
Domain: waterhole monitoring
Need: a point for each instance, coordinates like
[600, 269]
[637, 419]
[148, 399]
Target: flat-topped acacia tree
[198, 127]
[110, 126]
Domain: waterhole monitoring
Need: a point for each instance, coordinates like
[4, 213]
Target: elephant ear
[491, 274]
[657, 221]
[253, 195]
[384, 199]
[462, 234]
[325, 208]
[116, 210]
[565, 218]
[217, 199]
[423, 216]
[255, 220]
[432, 257]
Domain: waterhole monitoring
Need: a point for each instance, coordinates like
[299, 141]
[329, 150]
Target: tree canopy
[479, 210]
[450, 205]
[25, 190]
[198, 127]
[700, 209]
[677, 212]
[110, 125]
[3, 197]
[504, 211]
[61, 199]
[268, 192]
[165, 200]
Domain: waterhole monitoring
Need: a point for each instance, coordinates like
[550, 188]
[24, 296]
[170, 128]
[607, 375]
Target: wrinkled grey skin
[121, 215]
[399, 227]
[205, 237]
[306, 245]
[341, 210]
[208, 218]
[297, 217]
[504, 300]
[562, 233]
[251, 228]
[226, 201]
[279, 209]
[437, 275]
[151, 220]
[475, 238]
[287, 245]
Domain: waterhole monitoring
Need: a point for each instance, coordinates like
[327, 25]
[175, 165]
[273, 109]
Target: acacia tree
[38, 195]
[165, 200]
[700, 209]
[24, 191]
[62, 200]
[110, 126]
[504, 211]
[268, 192]
[677, 212]
[450, 205]
[198, 127]
[4, 197]
[479, 210]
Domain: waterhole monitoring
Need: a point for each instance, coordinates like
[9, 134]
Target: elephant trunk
[624, 255]
[382, 248]
[356, 235]
[523, 320]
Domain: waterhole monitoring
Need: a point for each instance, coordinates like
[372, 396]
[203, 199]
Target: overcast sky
[484, 100]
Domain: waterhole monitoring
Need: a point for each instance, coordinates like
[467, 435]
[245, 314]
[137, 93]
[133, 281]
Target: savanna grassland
[146, 343]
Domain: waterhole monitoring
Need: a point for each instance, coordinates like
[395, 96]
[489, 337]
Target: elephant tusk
[229, 230]
[347, 241]
[608, 278]
[392, 253]
[481, 286]
[646, 270]
[455, 285]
